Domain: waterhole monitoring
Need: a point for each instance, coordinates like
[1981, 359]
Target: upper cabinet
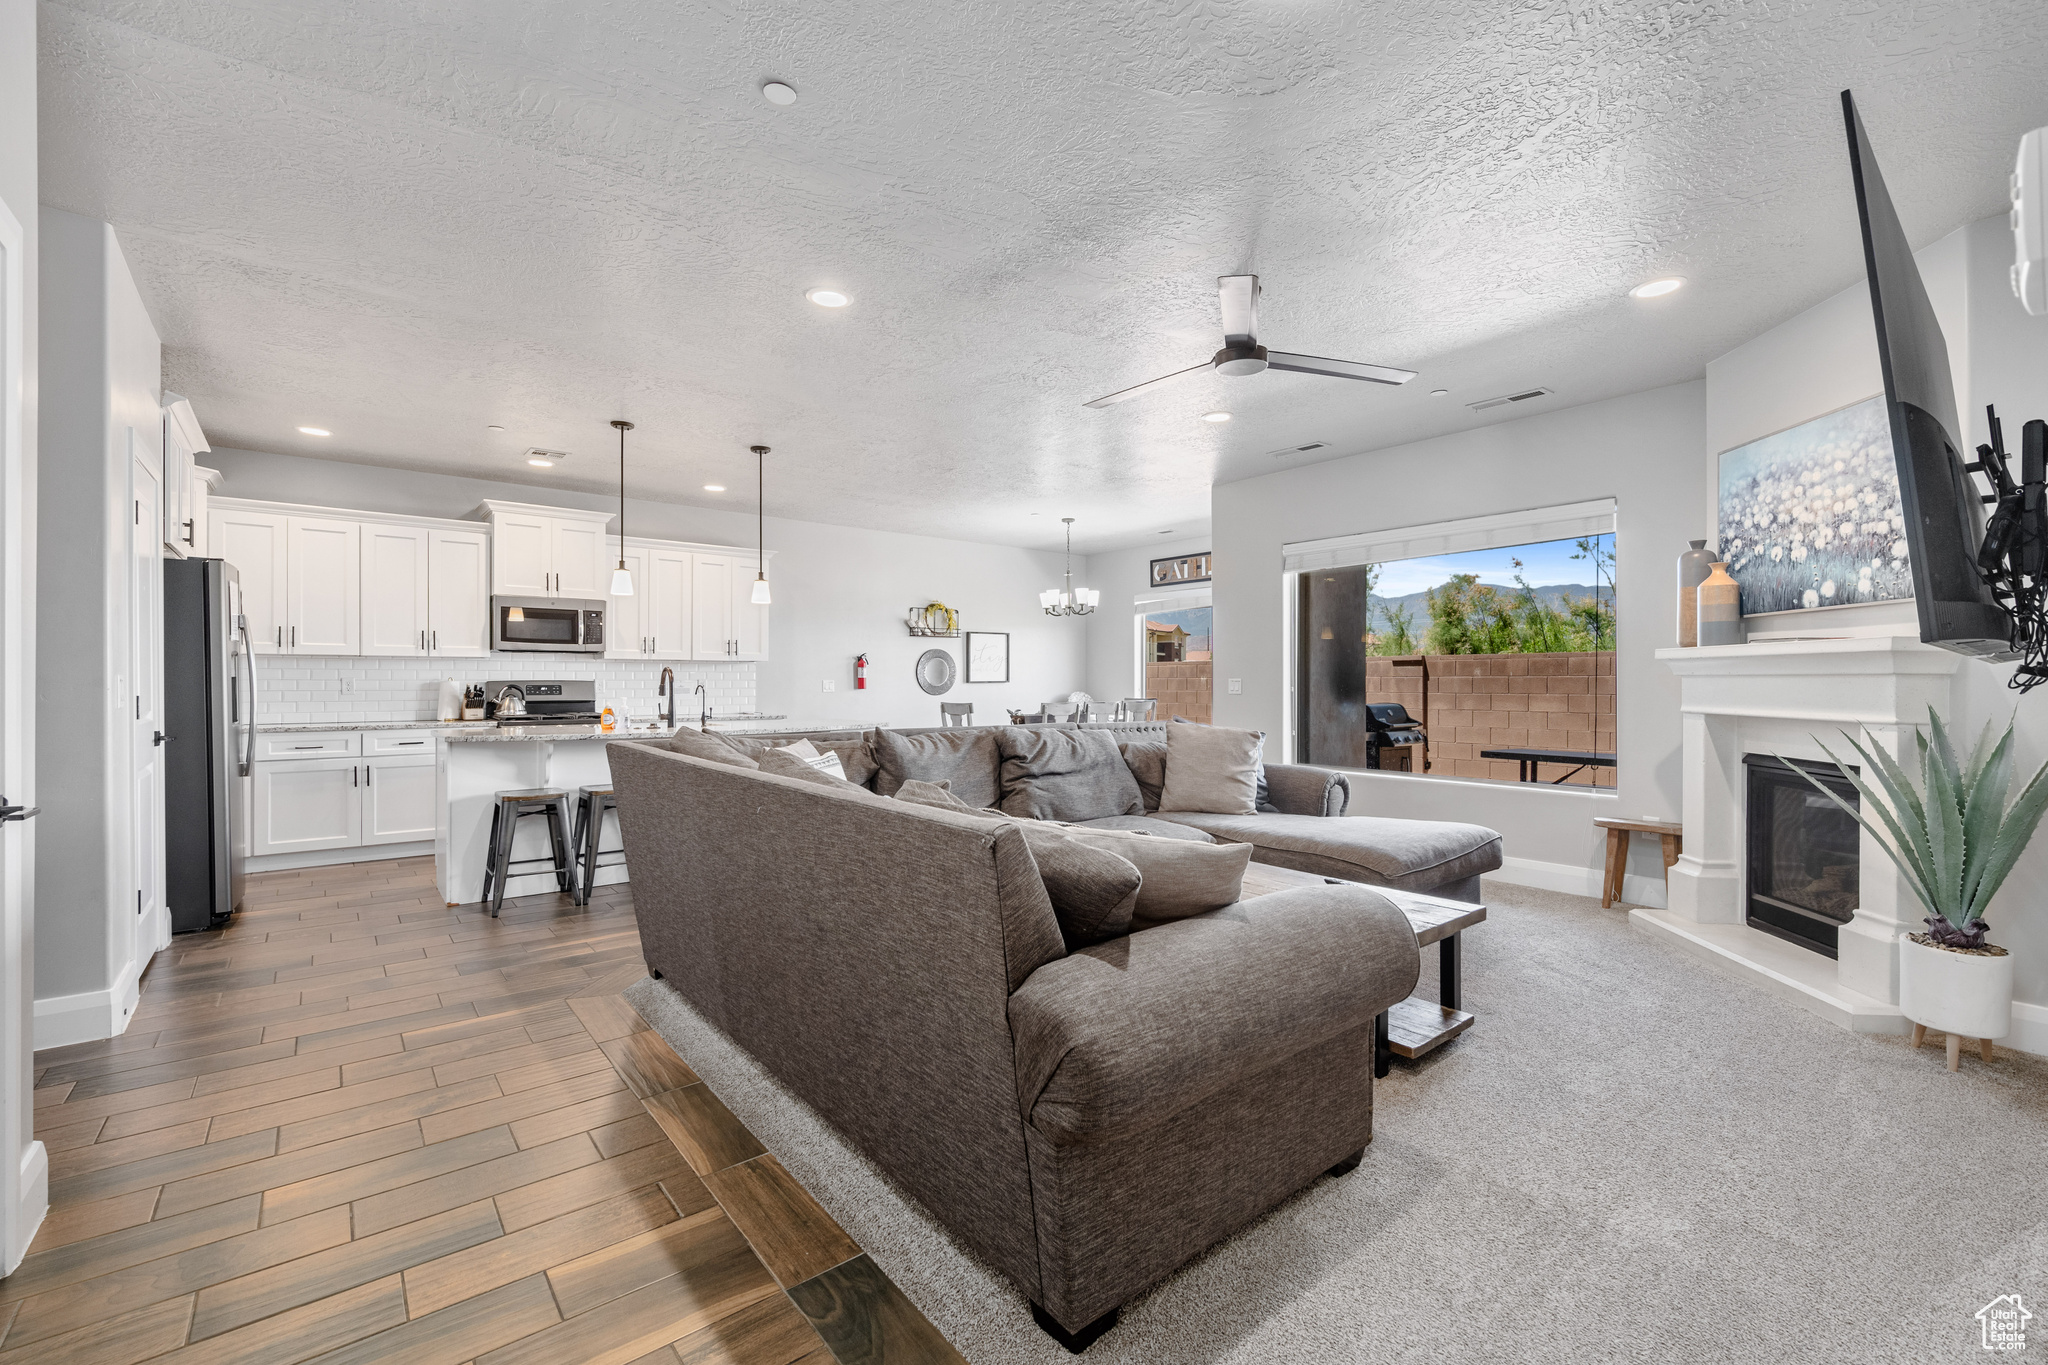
[725, 622]
[395, 579]
[546, 551]
[323, 565]
[253, 541]
[459, 592]
[183, 497]
[654, 622]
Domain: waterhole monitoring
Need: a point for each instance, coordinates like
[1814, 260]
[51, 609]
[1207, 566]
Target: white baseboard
[31, 1205]
[90, 1015]
[1578, 881]
[2029, 1029]
[334, 857]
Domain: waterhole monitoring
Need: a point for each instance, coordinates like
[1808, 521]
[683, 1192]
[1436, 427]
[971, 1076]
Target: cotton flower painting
[1810, 517]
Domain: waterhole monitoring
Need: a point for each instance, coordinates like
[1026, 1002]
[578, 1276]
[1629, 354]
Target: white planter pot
[1957, 993]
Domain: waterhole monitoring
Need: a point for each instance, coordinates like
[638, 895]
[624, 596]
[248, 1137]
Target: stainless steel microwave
[558, 625]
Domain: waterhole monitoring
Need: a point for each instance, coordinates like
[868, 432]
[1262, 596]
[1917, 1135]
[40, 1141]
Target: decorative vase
[1693, 568]
[1963, 994]
[1720, 608]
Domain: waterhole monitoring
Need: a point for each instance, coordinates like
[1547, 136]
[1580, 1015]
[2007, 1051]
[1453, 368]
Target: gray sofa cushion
[1409, 855]
[716, 748]
[1146, 758]
[1064, 775]
[1117, 1037]
[1147, 824]
[965, 758]
[1302, 789]
[784, 763]
[855, 755]
[1182, 878]
[1093, 891]
[1209, 768]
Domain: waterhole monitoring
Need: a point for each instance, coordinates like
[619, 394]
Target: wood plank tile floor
[361, 1125]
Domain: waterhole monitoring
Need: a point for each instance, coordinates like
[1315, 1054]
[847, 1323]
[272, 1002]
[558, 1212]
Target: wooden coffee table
[1414, 1026]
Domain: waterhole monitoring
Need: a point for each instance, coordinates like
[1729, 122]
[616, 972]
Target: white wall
[1123, 576]
[100, 392]
[839, 590]
[1826, 357]
[1642, 450]
[24, 1167]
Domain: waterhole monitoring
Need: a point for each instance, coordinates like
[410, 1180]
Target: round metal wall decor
[935, 671]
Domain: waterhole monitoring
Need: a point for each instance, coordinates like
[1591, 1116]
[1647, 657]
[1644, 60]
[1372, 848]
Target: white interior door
[668, 604]
[254, 542]
[323, 586]
[625, 621]
[145, 680]
[459, 593]
[398, 799]
[395, 581]
[520, 550]
[749, 619]
[24, 1165]
[711, 606]
[578, 559]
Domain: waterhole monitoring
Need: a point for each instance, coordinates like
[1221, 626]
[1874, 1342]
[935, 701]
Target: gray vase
[1693, 567]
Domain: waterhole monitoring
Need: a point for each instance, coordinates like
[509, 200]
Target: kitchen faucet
[667, 688]
[703, 709]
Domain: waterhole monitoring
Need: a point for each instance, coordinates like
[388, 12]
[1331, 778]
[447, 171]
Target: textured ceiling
[405, 222]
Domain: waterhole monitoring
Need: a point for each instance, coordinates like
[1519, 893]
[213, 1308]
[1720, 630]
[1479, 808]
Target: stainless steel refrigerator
[209, 712]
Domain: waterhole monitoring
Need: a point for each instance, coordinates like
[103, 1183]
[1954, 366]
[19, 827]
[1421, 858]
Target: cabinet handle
[189, 532]
[295, 637]
[435, 637]
[309, 746]
[280, 637]
[369, 775]
[354, 775]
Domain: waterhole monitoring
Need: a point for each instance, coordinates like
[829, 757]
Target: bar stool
[591, 804]
[510, 809]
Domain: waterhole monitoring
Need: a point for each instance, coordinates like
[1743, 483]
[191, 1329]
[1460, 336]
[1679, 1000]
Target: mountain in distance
[1551, 594]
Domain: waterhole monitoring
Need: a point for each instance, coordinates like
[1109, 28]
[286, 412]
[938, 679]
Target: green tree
[1399, 636]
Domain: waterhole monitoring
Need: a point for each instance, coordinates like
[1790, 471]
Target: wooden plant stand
[1955, 1046]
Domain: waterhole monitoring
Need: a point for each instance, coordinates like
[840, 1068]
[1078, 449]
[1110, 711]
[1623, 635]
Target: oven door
[553, 625]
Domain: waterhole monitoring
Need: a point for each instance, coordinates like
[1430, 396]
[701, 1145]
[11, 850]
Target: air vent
[1524, 396]
[536, 453]
[1285, 451]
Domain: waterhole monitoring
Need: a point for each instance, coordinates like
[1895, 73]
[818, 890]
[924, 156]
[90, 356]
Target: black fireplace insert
[1801, 883]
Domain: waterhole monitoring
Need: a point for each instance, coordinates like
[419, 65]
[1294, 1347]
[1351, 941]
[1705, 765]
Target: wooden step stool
[1618, 832]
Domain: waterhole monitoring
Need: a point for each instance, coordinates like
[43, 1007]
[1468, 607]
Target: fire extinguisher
[860, 673]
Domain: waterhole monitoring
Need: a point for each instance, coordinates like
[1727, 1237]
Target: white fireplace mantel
[1790, 697]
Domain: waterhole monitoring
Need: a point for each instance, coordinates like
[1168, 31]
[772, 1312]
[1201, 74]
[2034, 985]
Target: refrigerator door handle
[249, 726]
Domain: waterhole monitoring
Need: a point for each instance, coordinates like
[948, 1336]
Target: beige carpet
[1628, 1158]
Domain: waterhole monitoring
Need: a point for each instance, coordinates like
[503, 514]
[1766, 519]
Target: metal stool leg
[593, 832]
[576, 835]
[558, 840]
[491, 849]
[507, 830]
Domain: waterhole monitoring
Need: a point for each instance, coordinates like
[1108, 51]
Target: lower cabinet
[308, 805]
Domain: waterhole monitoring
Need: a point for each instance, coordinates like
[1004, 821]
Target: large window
[1175, 659]
[1501, 655]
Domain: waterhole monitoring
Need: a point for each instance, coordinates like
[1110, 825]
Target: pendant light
[1069, 600]
[761, 597]
[622, 577]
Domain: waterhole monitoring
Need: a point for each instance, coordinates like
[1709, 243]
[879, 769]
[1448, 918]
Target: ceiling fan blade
[1240, 298]
[1134, 390]
[1337, 369]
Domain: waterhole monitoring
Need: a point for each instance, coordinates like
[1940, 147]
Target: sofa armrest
[1301, 789]
[1123, 1034]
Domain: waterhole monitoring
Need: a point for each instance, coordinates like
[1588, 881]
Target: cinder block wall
[1484, 701]
[1181, 689]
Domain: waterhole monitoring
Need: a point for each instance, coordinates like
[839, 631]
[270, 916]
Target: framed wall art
[988, 656]
[1168, 573]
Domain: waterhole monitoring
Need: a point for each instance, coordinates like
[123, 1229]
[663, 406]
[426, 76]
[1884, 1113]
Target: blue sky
[1547, 561]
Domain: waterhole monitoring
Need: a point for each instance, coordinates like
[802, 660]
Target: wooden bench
[1618, 832]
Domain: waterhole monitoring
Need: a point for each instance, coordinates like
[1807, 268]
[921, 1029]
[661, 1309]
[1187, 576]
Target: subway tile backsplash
[301, 690]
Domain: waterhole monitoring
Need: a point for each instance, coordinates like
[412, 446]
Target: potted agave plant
[1955, 836]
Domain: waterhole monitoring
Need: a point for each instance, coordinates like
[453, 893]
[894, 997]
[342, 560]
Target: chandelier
[1069, 600]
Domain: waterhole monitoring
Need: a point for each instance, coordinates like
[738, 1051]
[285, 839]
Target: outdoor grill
[1389, 726]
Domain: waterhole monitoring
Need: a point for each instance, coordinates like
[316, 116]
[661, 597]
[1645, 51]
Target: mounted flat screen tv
[1943, 511]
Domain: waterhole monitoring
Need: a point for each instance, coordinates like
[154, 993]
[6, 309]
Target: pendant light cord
[623, 427]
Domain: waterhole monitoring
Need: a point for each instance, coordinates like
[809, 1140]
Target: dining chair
[1139, 708]
[955, 713]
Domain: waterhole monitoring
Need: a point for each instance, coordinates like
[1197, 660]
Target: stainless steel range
[562, 702]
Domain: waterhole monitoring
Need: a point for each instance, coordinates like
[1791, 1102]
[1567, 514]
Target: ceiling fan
[1242, 354]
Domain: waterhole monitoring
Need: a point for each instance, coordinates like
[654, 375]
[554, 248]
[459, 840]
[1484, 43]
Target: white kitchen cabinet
[625, 621]
[254, 542]
[711, 579]
[323, 586]
[308, 804]
[396, 576]
[183, 513]
[670, 603]
[398, 799]
[205, 485]
[547, 551]
[459, 593]
[749, 619]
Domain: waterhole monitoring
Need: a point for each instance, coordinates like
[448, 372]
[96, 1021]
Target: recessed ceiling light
[494, 427]
[828, 298]
[315, 431]
[1438, 393]
[1656, 288]
[777, 92]
[539, 463]
[1215, 417]
[714, 488]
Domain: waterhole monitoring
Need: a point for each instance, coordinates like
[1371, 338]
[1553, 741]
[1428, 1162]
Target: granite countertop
[352, 725]
[528, 734]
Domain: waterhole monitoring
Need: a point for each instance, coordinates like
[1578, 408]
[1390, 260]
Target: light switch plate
[1236, 686]
[831, 686]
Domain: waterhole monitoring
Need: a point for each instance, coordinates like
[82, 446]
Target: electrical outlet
[348, 685]
[831, 686]
[1236, 686]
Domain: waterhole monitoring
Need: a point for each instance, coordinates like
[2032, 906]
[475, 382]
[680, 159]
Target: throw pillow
[854, 757]
[966, 758]
[717, 748]
[1211, 769]
[1264, 799]
[808, 752]
[1146, 758]
[1065, 775]
[1093, 891]
[1181, 878]
[783, 763]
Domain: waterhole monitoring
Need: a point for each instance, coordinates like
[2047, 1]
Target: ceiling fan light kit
[1069, 600]
[1238, 296]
